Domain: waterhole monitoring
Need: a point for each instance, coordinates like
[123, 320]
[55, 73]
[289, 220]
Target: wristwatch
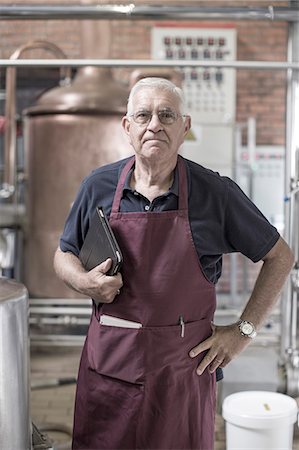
[247, 328]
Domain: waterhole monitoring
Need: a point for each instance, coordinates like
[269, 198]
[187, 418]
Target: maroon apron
[138, 388]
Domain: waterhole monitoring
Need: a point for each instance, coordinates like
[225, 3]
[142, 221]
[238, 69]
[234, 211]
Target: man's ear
[187, 124]
[125, 123]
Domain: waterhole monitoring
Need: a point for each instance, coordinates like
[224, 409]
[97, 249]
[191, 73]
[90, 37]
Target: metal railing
[128, 63]
[146, 12]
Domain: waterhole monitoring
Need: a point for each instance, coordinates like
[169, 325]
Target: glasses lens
[142, 117]
[167, 117]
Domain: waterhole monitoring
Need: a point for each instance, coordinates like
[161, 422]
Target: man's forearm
[276, 267]
[69, 269]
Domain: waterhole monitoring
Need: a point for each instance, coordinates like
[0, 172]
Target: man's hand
[100, 287]
[95, 283]
[225, 343]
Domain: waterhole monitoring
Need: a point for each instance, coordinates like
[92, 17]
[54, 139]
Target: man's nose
[154, 124]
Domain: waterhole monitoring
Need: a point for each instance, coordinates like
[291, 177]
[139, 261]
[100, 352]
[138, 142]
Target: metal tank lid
[11, 290]
[93, 90]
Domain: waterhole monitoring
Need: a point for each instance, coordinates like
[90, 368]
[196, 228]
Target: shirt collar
[174, 189]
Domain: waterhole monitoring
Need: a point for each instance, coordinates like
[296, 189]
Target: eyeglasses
[166, 117]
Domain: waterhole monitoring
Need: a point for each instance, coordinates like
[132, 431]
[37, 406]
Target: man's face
[156, 140]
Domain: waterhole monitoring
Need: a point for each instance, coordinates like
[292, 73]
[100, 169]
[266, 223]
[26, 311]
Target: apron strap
[120, 185]
[183, 184]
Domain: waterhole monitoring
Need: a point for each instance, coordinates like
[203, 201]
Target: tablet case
[100, 244]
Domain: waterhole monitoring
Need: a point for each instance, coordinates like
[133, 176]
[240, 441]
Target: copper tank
[69, 132]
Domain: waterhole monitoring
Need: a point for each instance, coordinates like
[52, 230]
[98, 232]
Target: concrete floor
[52, 405]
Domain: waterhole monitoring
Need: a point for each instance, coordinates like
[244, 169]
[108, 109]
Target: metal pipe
[293, 238]
[289, 304]
[286, 302]
[263, 65]
[145, 12]
[8, 189]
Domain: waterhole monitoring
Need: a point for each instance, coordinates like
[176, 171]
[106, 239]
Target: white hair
[156, 83]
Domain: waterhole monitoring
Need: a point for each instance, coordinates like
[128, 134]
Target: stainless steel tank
[69, 132]
[15, 424]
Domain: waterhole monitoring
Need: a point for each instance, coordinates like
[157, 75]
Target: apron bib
[138, 388]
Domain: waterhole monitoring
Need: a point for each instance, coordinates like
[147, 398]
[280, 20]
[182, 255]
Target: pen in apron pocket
[182, 323]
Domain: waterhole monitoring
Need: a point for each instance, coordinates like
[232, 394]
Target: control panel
[209, 91]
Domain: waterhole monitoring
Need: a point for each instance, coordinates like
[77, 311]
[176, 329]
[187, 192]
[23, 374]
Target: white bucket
[259, 420]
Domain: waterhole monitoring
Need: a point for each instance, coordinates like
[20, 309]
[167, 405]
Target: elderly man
[153, 387]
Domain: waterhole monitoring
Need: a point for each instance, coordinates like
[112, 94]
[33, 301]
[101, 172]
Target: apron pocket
[115, 352]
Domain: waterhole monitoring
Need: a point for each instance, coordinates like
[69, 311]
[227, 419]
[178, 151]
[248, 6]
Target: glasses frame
[177, 116]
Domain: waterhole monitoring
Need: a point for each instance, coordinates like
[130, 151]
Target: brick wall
[261, 93]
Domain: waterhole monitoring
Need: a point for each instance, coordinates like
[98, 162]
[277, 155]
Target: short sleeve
[76, 224]
[247, 229]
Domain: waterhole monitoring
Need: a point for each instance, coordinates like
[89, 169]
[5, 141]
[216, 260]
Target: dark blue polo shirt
[222, 218]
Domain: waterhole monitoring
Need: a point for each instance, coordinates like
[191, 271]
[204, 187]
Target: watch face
[247, 328]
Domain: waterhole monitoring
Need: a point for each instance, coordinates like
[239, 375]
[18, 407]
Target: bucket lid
[259, 409]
